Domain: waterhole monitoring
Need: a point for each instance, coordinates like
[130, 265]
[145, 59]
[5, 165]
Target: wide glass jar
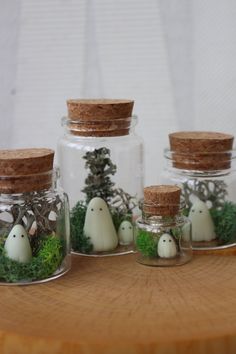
[163, 233]
[203, 165]
[102, 172]
[34, 218]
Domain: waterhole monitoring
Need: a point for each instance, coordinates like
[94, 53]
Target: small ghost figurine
[99, 226]
[126, 233]
[202, 224]
[166, 247]
[17, 245]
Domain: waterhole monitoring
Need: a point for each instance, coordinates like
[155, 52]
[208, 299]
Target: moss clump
[79, 241]
[146, 244]
[43, 265]
[225, 222]
[118, 218]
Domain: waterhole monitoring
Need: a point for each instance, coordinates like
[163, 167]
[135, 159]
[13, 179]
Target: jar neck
[201, 164]
[99, 128]
[158, 221]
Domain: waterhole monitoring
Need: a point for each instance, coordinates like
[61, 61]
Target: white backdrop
[175, 58]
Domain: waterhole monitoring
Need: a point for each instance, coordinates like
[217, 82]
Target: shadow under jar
[163, 233]
[203, 165]
[101, 171]
[34, 218]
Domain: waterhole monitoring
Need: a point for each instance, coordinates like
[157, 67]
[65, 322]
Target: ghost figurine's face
[99, 226]
[166, 247]
[126, 233]
[202, 224]
[17, 245]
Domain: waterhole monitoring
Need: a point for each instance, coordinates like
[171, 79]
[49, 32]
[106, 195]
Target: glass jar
[203, 165]
[163, 233]
[34, 218]
[102, 172]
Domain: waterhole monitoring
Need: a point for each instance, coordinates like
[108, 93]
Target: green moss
[146, 244]
[225, 222]
[43, 265]
[118, 218]
[79, 241]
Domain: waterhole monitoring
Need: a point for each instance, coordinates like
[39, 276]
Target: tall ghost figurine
[166, 247]
[126, 233]
[17, 245]
[202, 224]
[99, 226]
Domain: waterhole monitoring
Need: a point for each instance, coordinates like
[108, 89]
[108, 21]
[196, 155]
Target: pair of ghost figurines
[100, 229]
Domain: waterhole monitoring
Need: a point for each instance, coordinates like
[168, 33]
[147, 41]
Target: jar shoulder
[77, 142]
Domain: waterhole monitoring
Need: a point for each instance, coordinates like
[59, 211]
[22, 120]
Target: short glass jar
[203, 165]
[101, 160]
[34, 218]
[163, 233]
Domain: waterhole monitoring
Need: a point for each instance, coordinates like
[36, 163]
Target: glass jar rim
[99, 127]
[28, 183]
[200, 162]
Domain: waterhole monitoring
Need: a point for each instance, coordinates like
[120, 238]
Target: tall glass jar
[34, 218]
[102, 171]
[163, 233]
[203, 165]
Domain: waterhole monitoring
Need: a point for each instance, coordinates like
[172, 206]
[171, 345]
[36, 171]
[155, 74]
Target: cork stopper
[163, 200]
[25, 170]
[99, 117]
[206, 151]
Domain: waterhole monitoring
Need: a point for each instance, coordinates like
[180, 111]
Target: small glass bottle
[203, 165]
[34, 218]
[102, 172]
[163, 233]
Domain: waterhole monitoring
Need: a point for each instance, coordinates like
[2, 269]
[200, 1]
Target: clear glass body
[34, 236]
[210, 198]
[110, 168]
[163, 241]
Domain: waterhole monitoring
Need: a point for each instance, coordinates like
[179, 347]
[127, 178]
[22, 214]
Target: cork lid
[163, 200]
[99, 117]
[25, 170]
[201, 150]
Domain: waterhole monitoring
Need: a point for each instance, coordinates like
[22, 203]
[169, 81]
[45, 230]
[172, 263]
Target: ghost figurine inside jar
[101, 171]
[163, 233]
[34, 218]
[202, 164]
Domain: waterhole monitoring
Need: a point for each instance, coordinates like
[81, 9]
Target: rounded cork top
[24, 170]
[200, 141]
[99, 109]
[161, 200]
[99, 117]
[201, 150]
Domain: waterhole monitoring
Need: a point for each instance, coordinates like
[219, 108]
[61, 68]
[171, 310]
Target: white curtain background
[175, 58]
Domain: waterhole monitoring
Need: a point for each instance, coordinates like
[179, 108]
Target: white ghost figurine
[202, 224]
[166, 247]
[126, 233]
[99, 226]
[17, 245]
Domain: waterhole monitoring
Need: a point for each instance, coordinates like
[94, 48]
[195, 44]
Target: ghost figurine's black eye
[123, 228]
[170, 240]
[100, 209]
[14, 235]
[92, 209]
[200, 211]
[130, 228]
[192, 210]
[164, 240]
[22, 235]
